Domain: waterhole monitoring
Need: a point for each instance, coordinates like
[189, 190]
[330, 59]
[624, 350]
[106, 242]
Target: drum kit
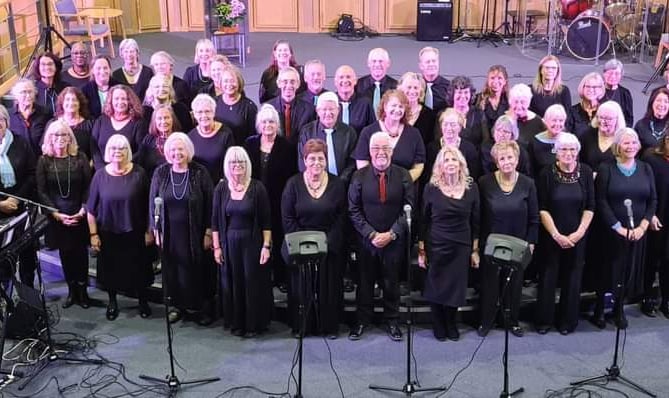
[589, 28]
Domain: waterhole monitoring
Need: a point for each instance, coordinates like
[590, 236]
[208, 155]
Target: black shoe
[112, 310]
[144, 309]
[237, 332]
[404, 289]
[394, 332]
[349, 286]
[564, 331]
[83, 300]
[174, 315]
[439, 334]
[543, 329]
[664, 309]
[517, 331]
[648, 307]
[295, 333]
[332, 335]
[620, 320]
[452, 333]
[356, 332]
[250, 335]
[69, 300]
[204, 319]
[598, 320]
[283, 288]
[482, 331]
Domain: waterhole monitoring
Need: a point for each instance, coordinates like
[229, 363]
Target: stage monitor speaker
[435, 21]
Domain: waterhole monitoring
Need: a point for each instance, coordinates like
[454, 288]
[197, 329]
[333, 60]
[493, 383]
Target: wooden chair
[78, 25]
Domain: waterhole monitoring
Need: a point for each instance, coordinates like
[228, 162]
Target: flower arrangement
[230, 12]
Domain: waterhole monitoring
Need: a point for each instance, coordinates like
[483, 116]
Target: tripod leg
[636, 386]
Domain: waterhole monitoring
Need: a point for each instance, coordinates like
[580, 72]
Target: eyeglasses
[117, 148]
[606, 119]
[61, 135]
[237, 163]
[567, 149]
[589, 87]
[384, 148]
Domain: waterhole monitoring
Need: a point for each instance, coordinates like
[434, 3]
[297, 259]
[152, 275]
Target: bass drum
[582, 36]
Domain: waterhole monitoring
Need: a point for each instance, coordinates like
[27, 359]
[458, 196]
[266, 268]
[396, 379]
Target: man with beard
[376, 197]
[294, 113]
[340, 139]
[377, 82]
[314, 77]
[354, 110]
[436, 86]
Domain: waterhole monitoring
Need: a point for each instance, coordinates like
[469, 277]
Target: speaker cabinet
[435, 21]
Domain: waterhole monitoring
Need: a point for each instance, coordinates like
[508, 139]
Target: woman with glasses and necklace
[591, 90]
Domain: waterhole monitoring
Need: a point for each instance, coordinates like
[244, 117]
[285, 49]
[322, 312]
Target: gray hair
[379, 135]
[118, 139]
[509, 123]
[128, 44]
[614, 64]
[237, 153]
[567, 139]
[555, 110]
[267, 112]
[203, 99]
[520, 90]
[179, 136]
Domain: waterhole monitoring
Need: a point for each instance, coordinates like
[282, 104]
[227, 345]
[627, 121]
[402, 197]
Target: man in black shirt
[314, 77]
[436, 85]
[376, 197]
[377, 82]
[294, 113]
[339, 138]
[354, 110]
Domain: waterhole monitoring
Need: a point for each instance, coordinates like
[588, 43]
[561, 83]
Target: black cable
[459, 372]
[341, 389]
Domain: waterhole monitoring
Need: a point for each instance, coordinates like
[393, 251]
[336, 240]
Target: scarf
[7, 176]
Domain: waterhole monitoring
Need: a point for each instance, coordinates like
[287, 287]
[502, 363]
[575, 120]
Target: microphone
[407, 212]
[630, 215]
[157, 209]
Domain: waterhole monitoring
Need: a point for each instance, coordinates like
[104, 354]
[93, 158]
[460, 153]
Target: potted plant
[230, 13]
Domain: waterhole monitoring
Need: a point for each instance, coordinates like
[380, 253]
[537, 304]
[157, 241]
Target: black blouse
[210, 151]
[613, 188]
[450, 219]
[63, 182]
[193, 77]
[565, 201]
[651, 131]
[239, 117]
[141, 84]
[542, 100]
[408, 151]
[135, 131]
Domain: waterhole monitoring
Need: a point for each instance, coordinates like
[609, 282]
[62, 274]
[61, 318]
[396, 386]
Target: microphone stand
[613, 372]
[410, 387]
[171, 380]
[506, 309]
[32, 207]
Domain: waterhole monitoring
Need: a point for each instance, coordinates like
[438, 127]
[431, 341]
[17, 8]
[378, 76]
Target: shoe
[648, 307]
[517, 331]
[482, 331]
[394, 332]
[250, 335]
[69, 300]
[404, 289]
[664, 309]
[598, 320]
[620, 320]
[542, 329]
[295, 333]
[237, 332]
[332, 335]
[174, 316]
[356, 332]
[204, 319]
[112, 310]
[452, 333]
[144, 309]
[564, 331]
[439, 334]
[83, 300]
[283, 288]
[349, 286]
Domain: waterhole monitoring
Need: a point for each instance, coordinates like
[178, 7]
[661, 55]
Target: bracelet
[94, 234]
[266, 246]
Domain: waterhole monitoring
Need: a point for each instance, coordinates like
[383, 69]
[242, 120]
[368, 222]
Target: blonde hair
[237, 153]
[413, 76]
[437, 179]
[179, 136]
[538, 83]
[620, 133]
[55, 127]
[118, 139]
[503, 146]
[203, 43]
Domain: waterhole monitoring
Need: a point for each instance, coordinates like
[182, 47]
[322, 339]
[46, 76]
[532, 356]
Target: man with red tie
[294, 112]
[376, 197]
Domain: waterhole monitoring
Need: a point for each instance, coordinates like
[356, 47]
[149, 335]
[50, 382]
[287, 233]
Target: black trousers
[379, 264]
[493, 279]
[28, 265]
[561, 268]
[656, 263]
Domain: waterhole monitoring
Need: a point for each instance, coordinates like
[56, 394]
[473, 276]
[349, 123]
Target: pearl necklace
[317, 188]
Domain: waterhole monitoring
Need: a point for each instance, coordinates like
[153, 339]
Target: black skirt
[123, 262]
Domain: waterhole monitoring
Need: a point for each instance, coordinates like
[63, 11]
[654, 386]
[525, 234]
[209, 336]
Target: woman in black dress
[528, 123]
[613, 74]
[233, 108]
[151, 152]
[657, 257]
[185, 229]
[451, 124]
[97, 89]
[493, 99]
[160, 93]
[504, 130]
[132, 73]
[461, 95]
[653, 125]
[117, 219]
[394, 114]
[508, 206]
[72, 109]
[242, 239]
[283, 56]
[597, 148]
[547, 87]
[46, 72]
[63, 176]
[274, 161]
[542, 147]
[215, 88]
[122, 114]
[210, 138]
[423, 118]
[566, 206]
[198, 76]
[162, 63]
[17, 177]
[591, 91]
[316, 201]
[28, 120]
[616, 182]
[449, 239]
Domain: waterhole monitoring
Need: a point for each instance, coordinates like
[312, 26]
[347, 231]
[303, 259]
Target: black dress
[83, 133]
[210, 151]
[488, 164]
[450, 225]
[468, 151]
[565, 198]
[303, 212]
[514, 213]
[181, 111]
[426, 124]
[542, 100]
[650, 131]
[579, 122]
[246, 288]
[193, 77]
[120, 207]
[63, 183]
[491, 114]
[149, 156]
[239, 117]
[623, 97]
[592, 155]
[409, 149]
[188, 269]
[141, 84]
[528, 128]
[103, 129]
[473, 130]
[542, 152]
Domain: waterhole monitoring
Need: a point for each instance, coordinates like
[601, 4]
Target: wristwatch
[393, 235]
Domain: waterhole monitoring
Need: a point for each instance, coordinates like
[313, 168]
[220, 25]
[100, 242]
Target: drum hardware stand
[171, 380]
[410, 387]
[32, 208]
[505, 23]
[613, 372]
[491, 36]
[460, 33]
[658, 72]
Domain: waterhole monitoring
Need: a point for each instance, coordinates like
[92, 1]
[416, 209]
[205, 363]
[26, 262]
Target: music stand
[306, 250]
[512, 255]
